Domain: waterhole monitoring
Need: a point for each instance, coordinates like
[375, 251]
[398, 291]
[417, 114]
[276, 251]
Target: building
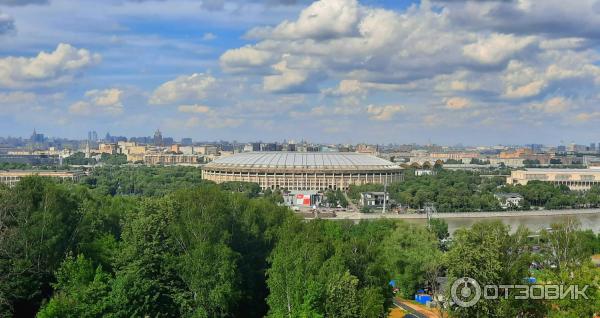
[92, 136]
[303, 171]
[367, 149]
[134, 153]
[171, 159]
[575, 179]
[107, 148]
[31, 159]
[509, 200]
[424, 172]
[186, 141]
[158, 139]
[207, 150]
[11, 177]
[374, 199]
[37, 138]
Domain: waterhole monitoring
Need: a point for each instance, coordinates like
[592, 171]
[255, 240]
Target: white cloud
[563, 44]
[347, 87]
[527, 90]
[208, 36]
[384, 113]
[457, 103]
[201, 109]
[46, 69]
[552, 106]
[321, 20]
[496, 48]
[16, 102]
[183, 88]
[99, 102]
[236, 60]
[17, 97]
[585, 117]
[288, 79]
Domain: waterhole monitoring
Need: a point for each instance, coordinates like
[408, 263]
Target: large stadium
[300, 171]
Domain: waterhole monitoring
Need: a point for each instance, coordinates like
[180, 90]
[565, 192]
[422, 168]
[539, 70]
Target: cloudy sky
[447, 72]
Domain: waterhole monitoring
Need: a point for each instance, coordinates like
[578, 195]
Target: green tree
[342, 297]
[410, 251]
[80, 291]
[37, 220]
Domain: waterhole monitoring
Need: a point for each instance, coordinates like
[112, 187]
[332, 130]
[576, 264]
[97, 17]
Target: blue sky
[448, 72]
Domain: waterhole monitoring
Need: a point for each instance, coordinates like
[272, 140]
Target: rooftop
[314, 160]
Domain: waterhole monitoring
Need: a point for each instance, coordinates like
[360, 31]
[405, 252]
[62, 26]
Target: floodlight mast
[384, 195]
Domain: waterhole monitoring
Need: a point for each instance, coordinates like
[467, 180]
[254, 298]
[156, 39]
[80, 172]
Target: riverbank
[465, 215]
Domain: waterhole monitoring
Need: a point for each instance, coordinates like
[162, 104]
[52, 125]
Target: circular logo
[465, 292]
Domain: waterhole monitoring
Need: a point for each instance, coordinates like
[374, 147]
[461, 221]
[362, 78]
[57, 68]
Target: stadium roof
[304, 160]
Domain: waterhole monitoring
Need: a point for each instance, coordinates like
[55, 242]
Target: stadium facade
[301, 171]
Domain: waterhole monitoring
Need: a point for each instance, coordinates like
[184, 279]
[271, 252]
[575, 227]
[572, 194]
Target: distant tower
[87, 150]
[158, 139]
[36, 138]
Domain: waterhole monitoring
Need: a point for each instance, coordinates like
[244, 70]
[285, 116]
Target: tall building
[158, 139]
[92, 136]
[37, 138]
[186, 141]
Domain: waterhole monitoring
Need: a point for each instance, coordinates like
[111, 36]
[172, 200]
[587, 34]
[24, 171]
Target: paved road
[412, 310]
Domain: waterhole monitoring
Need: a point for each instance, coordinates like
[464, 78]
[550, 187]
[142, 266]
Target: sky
[339, 71]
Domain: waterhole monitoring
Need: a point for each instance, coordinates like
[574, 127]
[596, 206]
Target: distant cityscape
[159, 149]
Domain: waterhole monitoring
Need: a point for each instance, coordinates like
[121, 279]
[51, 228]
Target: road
[413, 309]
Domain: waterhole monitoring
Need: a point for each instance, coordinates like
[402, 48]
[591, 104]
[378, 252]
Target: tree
[342, 297]
[146, 279]
[409, 252]
[80, 291]
[37, 219]
[440, 228]
[490, 255]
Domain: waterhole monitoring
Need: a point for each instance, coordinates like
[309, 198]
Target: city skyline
[339, 71]
[95, 136]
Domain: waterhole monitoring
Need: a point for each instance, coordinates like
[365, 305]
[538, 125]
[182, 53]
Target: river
[588, 221]
[534, 220]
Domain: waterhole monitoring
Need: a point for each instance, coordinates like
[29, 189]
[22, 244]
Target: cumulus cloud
[457, 103]
[552, 106]
[496, 48]
[46, 69]
[245, 58]
[577, 19]
[321, 20]
[288, 79]
[367, 45]
[183, 88]
[384, 113]
[99, 102]
[347, 87]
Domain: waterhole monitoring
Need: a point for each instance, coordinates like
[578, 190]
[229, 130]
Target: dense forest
[160, 242]
[465, 191]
